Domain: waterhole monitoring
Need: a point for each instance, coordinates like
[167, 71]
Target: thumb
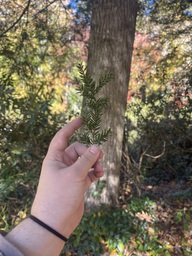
[87, 160]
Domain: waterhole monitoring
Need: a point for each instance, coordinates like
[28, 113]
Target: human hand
[65, 176]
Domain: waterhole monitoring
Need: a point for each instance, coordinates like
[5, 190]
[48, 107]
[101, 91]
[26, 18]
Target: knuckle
[87, 157]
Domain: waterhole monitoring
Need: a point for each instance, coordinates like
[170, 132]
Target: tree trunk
[110, 50]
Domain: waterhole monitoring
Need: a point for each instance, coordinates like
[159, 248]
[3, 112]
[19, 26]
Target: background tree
[110, 50]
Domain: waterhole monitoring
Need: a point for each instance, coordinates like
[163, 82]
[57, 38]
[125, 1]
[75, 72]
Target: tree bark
[110, 50]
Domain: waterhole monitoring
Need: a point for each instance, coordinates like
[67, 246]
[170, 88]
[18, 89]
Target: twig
[23, 13]
[141, 158]
[42, 10]
[155, 157]
[17, 21]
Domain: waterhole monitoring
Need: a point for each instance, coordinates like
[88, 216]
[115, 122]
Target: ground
[170, 225]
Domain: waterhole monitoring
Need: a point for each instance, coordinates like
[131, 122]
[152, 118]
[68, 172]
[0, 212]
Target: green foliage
[32, 61]
[111, 229]
[159, 113]
[135, 228]
[26, 128]
[159, 135]
[92, 107]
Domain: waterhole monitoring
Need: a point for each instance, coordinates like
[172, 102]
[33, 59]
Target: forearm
[33, 240]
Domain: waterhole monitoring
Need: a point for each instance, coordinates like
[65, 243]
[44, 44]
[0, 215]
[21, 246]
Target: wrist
[48, 228]
[33, 240]
[63, 226]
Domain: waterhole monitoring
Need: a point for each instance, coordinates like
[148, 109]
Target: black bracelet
[48, 228]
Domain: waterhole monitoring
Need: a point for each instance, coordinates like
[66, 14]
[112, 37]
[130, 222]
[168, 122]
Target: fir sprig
[93, 107]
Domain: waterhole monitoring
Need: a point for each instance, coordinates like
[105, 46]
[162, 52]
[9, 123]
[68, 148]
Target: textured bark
[110, 50]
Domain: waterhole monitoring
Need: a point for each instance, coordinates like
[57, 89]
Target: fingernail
[94, 149]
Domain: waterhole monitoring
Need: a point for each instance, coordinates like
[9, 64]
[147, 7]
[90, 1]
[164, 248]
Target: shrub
[160, 132]
[26, 128]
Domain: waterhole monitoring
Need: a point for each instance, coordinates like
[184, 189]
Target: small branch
[15, 2]
[141, 159]
[23, 13]
[17, 21]
[155, 157]
[42, 10]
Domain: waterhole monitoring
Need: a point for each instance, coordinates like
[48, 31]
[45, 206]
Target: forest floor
[173, 213]
[172, 228]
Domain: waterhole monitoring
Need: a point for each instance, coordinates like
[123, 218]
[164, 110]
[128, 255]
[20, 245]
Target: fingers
[59, 142]
[87, 161]
[76, 150]
[96, 173]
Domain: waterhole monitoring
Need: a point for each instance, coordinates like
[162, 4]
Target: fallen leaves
[145, 216]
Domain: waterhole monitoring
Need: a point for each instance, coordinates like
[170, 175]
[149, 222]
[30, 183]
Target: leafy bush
[32, 79]
[26, 128]
[160, 132]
